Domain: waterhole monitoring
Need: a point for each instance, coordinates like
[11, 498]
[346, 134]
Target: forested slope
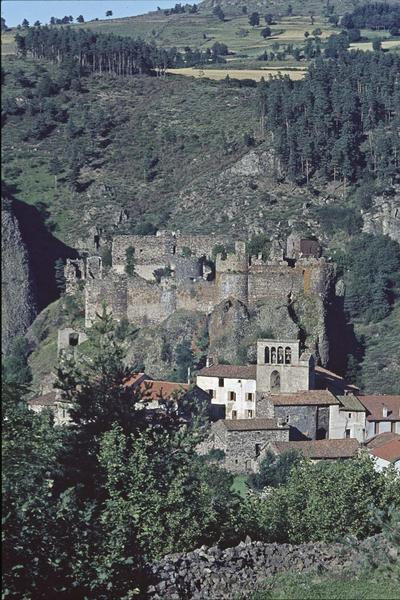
[105, 151]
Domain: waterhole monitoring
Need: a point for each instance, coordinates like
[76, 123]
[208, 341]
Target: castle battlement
[170, 271]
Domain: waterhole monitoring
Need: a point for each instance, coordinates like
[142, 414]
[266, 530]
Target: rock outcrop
[18, 301]
[384, 216]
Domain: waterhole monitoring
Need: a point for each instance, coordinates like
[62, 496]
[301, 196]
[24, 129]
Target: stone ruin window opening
[280, 355]
[257, 449]
[275, 381]
[78, 272]
[96, 240]
[73, 339]
[288, 355]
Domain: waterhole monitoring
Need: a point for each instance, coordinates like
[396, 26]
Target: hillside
[101, 154]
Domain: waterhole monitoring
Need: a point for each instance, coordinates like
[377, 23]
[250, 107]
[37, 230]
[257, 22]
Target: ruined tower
[231, 274]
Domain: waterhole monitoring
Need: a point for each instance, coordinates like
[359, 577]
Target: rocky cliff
[384, 216]
[18, 301]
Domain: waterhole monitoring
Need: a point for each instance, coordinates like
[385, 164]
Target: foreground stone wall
[216, 574]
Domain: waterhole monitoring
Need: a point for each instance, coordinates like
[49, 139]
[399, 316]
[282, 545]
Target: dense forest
[377, 15]
[340, 121]
[101, 53]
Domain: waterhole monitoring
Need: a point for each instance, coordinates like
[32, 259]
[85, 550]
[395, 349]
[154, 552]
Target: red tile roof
[157, 390]
[381, 438]
[389, 451]
[376, 403]
[135, 379]
[330, 378]
[251, 424]
[306, 398]
[45, 400]
[230, 371]
[318, 449]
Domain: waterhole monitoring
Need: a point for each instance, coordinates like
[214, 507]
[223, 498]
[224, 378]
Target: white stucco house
[233, 386]
[347, 419]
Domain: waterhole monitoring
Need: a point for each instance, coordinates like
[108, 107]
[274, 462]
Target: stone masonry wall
[218, 574]
[201, 245]
[303, 420]
[241, 456]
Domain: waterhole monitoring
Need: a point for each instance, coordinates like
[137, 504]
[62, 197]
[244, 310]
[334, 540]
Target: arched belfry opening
[280, 355]
[288, 355]
[266, 355]
[273, 355]
[275, 382]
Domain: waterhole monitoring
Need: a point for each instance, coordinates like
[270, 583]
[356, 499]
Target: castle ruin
[169, 272]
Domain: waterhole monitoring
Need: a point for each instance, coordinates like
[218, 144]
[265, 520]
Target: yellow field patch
[387, 44]
[255, 74]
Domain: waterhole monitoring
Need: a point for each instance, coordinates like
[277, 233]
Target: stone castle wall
[190, 286]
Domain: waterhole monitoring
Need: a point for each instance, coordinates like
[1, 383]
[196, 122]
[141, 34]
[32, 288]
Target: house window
[232, 396]
[221, 382]
[393, 427]
[234, 414]
[376, 427]
[249, 414]
[257, 450]
[349, 415]
[249, 396]
[212, 393]
[348, 433]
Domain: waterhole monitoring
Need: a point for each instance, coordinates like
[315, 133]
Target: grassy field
[239, 485]
[294, 586]
[255, 74]
[386, 45]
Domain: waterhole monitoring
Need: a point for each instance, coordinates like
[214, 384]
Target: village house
[306, 412]
[348, 416]
[52, 401]
[383, 413]
[243, 441]
[385, 450]
[231, 386]
[147, 394]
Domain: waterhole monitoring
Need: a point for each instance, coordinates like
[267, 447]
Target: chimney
[209, 361]
[386, 412]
